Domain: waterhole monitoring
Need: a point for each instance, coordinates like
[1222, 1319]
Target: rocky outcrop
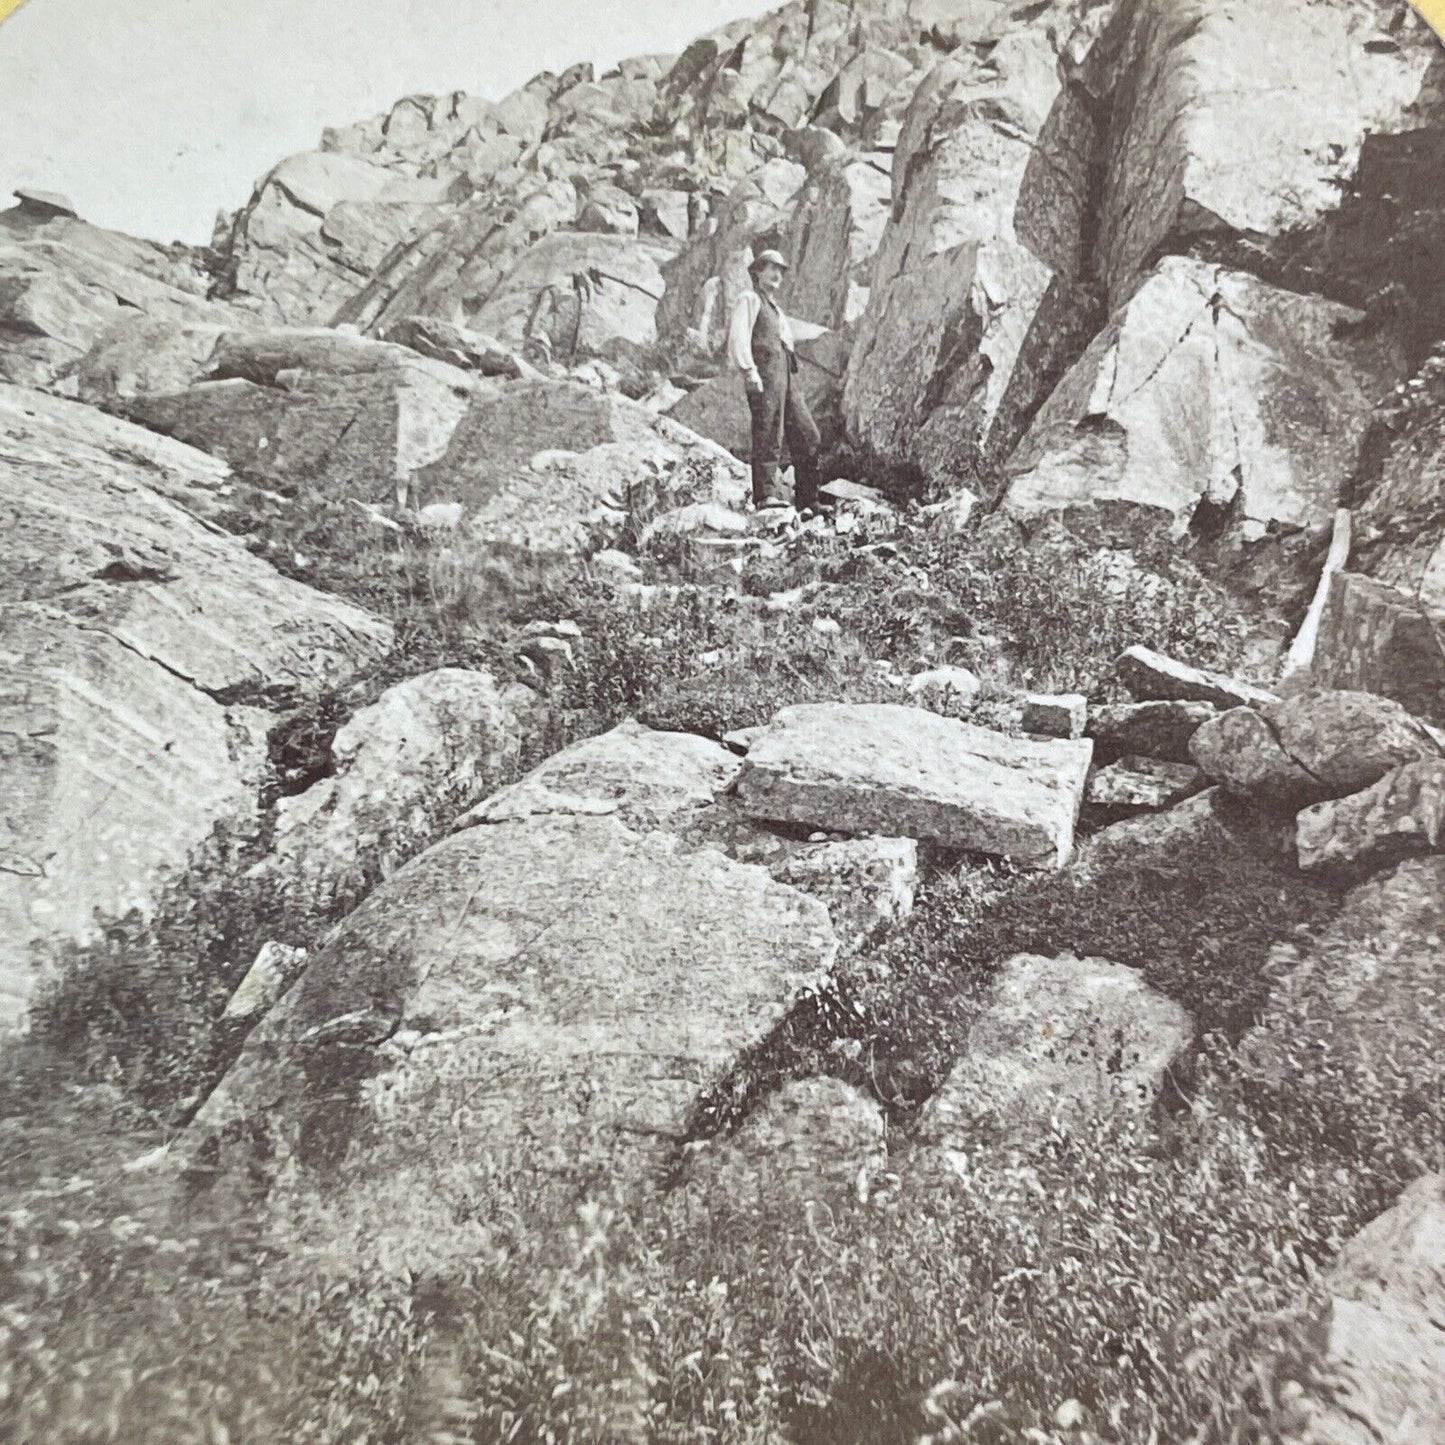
[142, 645]
[943, 349]
[1059, 1038]
[65, 283]
[348, 417]
[881, 768]
[1187, 409]
[1384, 623]
[550, 465]
[1237, 125]
[1309, 748]
[316, 226]
[399, 770]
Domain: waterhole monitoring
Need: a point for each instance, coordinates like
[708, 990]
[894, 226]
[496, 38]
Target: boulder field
[1154, 284]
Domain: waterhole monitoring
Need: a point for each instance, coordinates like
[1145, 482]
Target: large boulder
[1384, 623]
[1401, 814]
[399, 770]
[549, 996]
[837, 224]
[1187, 413]
[1058, 1038]
[1384, 1354]
[902, 771]
[1309, 748]
[1203, 155]
[574, 294]
[65, 283]
[315, 407]
[449, 268]
[545, 465]
[141, 645]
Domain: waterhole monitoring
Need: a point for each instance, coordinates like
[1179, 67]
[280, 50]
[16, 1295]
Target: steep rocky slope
[1119, 311]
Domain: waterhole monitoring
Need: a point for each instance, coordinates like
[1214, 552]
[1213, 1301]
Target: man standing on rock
[761, 347]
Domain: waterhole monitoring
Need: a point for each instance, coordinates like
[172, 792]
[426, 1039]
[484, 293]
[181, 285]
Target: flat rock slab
[137, 641]
[1153, 676]
[904, 772]
[548, 996]
[644, 776]
[1401, 814]
[1058, 1036]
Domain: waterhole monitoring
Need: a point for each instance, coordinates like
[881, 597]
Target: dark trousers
[780, 413]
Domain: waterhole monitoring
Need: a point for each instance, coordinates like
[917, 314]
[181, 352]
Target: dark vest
[770, 356]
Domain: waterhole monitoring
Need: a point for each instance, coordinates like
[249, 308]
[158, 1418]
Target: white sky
[153, 114]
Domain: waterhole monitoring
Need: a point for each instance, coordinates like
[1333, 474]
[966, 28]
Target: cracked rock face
[1220, 405]
[1310, 748]
[135, 638]
[550, 995]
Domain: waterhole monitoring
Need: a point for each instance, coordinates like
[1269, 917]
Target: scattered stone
[1140, 785]
[827, 627]
[697, 518]
[645, 777]
[1055, 715]
[814, 1139]
[1160, 729]
[1059, 1037]
[1151, 676]
[947, 683]
[1309, 748]
[907, 772]
[276, 968]
[616, 564]
[1401, 814]
[842, 490]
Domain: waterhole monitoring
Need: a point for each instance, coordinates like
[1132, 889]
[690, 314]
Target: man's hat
[769, 258]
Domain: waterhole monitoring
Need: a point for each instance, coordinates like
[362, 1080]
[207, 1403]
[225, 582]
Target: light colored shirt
[740, 336]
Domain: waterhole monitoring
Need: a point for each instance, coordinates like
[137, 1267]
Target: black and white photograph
[722, 723]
